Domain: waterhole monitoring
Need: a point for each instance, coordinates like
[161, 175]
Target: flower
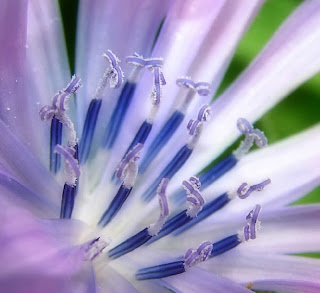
[109, 236]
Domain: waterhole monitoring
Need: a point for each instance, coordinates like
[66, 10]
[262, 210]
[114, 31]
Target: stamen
[161, 139]
[118, 114]
[183, 154]
[115, 205]
[161, 271]
[250, 230]
[251, 135]
[114, 74]
[88, 129]
[143, 236]
[195, 203]
[195, 126]
[67, 202]
[175, 120]
[56, 112]
[127, 171]
[154, 64]
[220, 202]
[202, 253]
[225, 245]
[55, 138]
[59, 100]
[207, 210]
[93, 248]
[222, 167]
[243, 190]
[205, 251]
[71, 163]
[141, 135]
[194, 198]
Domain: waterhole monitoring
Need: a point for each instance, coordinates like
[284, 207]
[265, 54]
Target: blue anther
[55, 138]
[172, 224]
[161, 271]
[206, 211]
[115, 205]
[67, 202]
[224, 245]
[88, 129]
[161, 139]
[172, 168]
[141, 135]
[210, 176]
[118, 114]
[130, 244]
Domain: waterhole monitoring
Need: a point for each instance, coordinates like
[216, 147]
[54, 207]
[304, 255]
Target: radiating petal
[109, 280]
[47, 66]
[18, 161]
[14, 104]
[199, 280]
[37, 258]
[20, 195]
[289, 286]
[248, 267]
[272, 75]
[280, 228]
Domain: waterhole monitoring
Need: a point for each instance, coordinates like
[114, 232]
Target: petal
[289, 59]
[109, 280]
[248, 267]
[48, 69]
[287, 286]
[14, 110]
[280, 228]
[47, 66]
[199, 280]
[20, 195]
[18, 161]
[37, 258]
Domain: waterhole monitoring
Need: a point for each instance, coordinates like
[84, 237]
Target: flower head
[112, 191]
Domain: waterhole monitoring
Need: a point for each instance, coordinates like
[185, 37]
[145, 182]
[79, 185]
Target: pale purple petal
[199, 280]
[37, 258]
[246, 267]
[18, 161]
[290, 286]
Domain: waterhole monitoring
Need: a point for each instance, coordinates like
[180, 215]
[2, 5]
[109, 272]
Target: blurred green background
[298, 111]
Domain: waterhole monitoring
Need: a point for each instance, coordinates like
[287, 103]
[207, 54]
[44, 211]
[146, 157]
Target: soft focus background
[298, 111]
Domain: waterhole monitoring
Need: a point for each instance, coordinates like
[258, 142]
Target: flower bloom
[108, 193]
